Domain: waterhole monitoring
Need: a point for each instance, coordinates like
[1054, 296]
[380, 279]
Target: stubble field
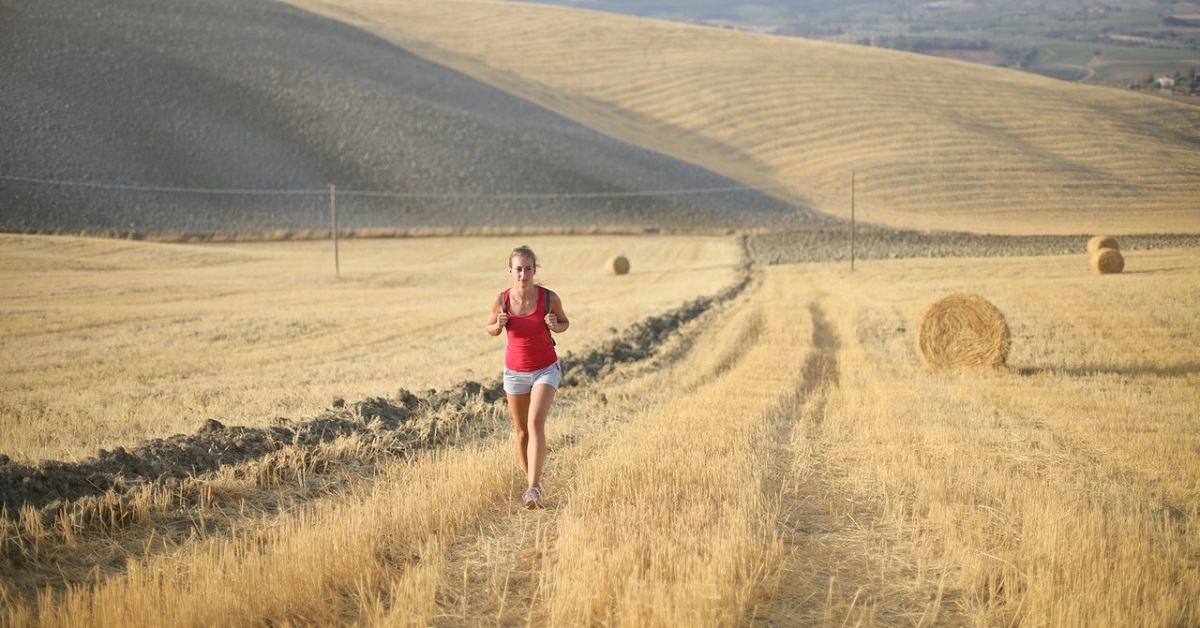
[779, 457]
[229, 433]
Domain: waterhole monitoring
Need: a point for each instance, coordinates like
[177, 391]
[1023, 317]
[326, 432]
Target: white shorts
[522, 382]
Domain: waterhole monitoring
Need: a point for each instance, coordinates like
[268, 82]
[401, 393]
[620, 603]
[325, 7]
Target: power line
[390, 194]
[151, 188]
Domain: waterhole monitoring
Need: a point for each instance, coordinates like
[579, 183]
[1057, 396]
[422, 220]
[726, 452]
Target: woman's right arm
[497, 319]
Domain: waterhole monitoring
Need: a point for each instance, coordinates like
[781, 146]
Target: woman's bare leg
[535, 454]
[518, 406]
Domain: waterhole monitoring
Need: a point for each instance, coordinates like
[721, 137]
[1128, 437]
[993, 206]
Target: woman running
[531, 370]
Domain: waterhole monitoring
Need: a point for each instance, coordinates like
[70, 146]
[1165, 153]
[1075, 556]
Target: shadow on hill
[234, 116]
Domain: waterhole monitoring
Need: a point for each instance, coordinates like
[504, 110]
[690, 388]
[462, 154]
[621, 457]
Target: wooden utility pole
[337, 265]
[852, 225]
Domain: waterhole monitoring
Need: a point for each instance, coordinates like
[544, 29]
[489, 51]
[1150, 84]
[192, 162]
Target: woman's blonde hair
[522, 251]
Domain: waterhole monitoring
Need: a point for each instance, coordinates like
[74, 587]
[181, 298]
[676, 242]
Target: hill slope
[931, 142]
[129, 97]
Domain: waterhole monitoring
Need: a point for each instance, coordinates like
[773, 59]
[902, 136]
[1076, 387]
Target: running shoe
[532, 499]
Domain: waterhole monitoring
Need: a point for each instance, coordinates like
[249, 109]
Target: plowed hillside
[932, 143]
[255, 108]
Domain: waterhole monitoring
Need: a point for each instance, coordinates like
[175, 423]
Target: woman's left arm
[556, 319]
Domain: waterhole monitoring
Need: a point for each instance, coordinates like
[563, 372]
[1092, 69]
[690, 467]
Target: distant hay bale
[1107, 262]
[618, 265]
[963, 330]
[1102, 242]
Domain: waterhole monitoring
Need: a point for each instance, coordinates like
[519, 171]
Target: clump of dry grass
[963, 330]
[375, 552]
[617, 265]
[1102, 242]
[1108, 262]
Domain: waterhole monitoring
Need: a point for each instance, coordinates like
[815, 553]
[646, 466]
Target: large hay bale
[618, 265]
[1107, 262]
[1102, 242]
[963, 330]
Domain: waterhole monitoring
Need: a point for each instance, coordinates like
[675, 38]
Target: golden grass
[784, 460]
[1060, 491]
[108, 342]
[933, 143]
[368, 554]
[685, 535]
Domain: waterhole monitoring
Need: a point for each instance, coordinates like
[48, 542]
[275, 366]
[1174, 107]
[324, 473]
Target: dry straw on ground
[1102, 242]
[963, 330]
[618, 265]
[1107, 262]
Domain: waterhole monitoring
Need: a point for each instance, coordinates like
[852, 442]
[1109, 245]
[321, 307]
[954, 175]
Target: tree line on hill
[1179, 83]
[1018, 57]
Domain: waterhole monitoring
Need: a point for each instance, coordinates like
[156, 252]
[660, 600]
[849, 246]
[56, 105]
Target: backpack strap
[548, 293]
[504, 307]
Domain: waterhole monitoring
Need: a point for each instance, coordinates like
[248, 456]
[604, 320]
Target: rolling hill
[219, 116]
[931, 143]
[228, 116]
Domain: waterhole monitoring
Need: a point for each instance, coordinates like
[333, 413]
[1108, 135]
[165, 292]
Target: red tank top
[529, 347]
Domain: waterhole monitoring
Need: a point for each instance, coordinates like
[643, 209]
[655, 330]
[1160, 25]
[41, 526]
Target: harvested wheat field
[224, 418]
[737, 444]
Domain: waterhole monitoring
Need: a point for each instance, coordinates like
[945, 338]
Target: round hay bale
[618, 265]
[1107, 262]
[1102, 242]
[963, 330]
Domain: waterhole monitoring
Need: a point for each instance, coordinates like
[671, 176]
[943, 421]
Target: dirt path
[830, 561]
[801, 479]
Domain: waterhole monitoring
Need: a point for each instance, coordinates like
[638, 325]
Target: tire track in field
[821, 365]
[801, 483]
[498, 569]
[838, 567]
[501, 569]
[510, 555]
